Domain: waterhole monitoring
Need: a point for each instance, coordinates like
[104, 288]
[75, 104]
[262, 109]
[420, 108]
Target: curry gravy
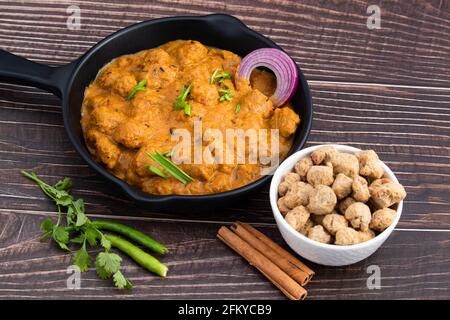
[119, 131]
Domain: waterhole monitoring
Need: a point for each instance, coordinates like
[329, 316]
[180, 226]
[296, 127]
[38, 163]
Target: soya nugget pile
[339, 198]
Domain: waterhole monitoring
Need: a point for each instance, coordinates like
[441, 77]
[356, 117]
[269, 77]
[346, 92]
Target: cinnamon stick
[279, 250]
[278, 277]
[284, 264]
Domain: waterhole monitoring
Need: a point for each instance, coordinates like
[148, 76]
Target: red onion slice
[281, 65]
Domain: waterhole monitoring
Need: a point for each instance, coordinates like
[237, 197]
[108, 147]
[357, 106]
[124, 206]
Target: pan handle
[15, 69]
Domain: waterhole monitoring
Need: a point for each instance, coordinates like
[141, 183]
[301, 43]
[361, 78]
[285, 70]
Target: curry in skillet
[131, 110]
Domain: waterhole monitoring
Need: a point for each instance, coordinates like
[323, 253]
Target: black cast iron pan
[68, 82]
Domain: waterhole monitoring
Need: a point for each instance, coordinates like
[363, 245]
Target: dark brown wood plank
[398, 114]
[329, 39]
[408, 127]
[202, 267]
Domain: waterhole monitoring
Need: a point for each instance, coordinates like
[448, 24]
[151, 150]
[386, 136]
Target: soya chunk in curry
[131, 110]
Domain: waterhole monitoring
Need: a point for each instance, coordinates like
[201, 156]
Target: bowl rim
[134, 192]
[273, 194]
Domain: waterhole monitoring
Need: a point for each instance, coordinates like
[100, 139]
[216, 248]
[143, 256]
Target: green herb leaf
[139, 87]
[188, 110]
[107, 264]
[91, 234]
[121, 282]
[170, 167]
[63, 185]
[78, 208]
[80, 239]
[61, 237]
[167, 154]
[225, 95]
[47, 225]
[180, 102]
[75, 213]
[101, 272]
[60, 196]
[109, 261]
[82, 259]
[105, 243]
[219, 77]
[213, 76]
[238, 108]
[156, 171]
[45, 236]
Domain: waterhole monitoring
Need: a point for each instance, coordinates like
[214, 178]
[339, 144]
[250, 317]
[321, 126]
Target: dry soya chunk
[297, 195]
[322, 154]
[297, 217]
[308, 225]
[347, 236]
[318, 233]
[360, 189]
[334, 222]
[283, 188]
[366, 235]
[345, 163]
[291, 177]
[342, 186]
[302, 167]
[287, 182]
[382, 219]
[369, 164]
[318, 218]
[344, 204]
[320, 175]
[322, 200]
[282, 206]
[385, 193]
[359, 216]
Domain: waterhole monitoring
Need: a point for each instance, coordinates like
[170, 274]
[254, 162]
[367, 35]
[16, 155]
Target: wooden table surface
[386, 89]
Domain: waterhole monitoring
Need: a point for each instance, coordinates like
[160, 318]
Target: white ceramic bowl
[325, 254]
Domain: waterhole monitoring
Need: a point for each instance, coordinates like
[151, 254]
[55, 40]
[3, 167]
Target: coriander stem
[131, 234]
[59, 215]
[139, 256]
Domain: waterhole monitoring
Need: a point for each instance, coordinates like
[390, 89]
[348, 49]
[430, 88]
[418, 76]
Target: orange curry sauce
[119, 131]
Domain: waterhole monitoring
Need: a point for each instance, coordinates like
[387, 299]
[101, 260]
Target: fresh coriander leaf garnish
[110, 262]
[46, 226]
[188, 110]
[92, 234]
[82, 258]
[61, 237]
[238, 108]
[225, 95]
[139, 87]
[107, 265]
[180, 102]
[156, 171]
[219, 77]
[121, 282]
[82, 231]
[105, 242]
[213, 76]
[64, 184]
[101, 272]
[170, 167]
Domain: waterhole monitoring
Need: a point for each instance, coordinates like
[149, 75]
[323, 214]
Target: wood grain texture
[202, 267]
[329, 39]
[387, 89]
